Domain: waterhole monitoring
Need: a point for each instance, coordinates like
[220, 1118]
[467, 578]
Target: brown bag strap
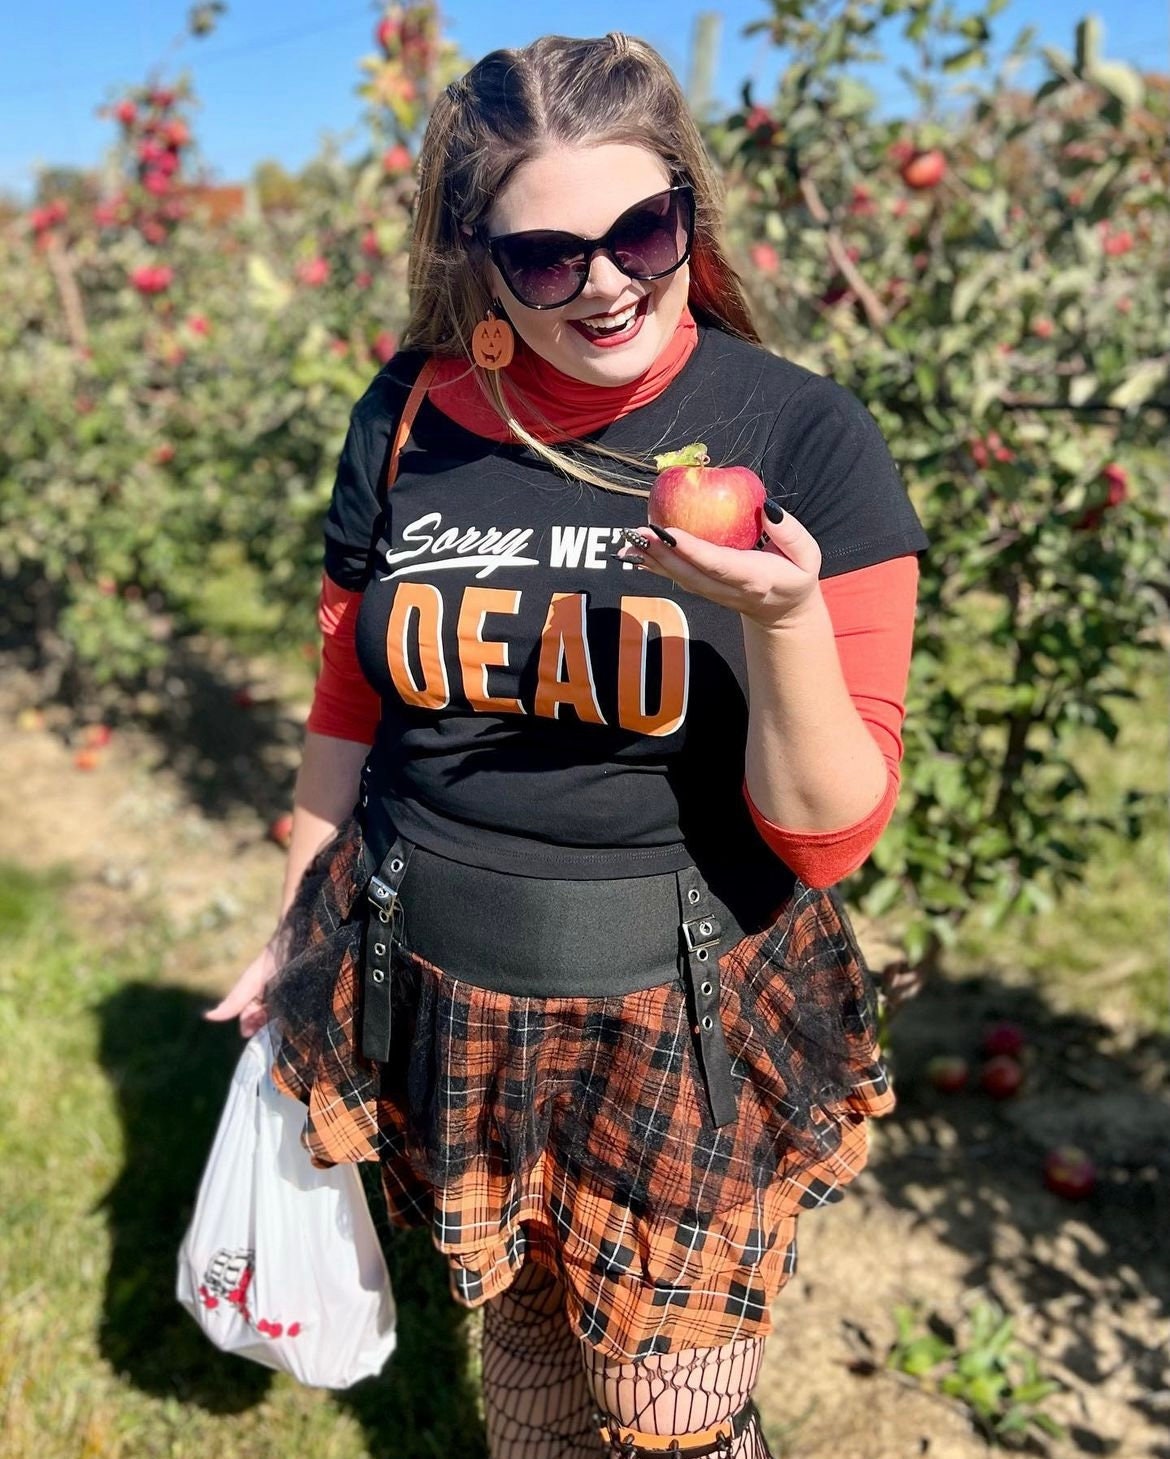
[406, 420]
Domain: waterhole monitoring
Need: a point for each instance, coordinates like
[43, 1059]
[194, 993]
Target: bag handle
[406, 419]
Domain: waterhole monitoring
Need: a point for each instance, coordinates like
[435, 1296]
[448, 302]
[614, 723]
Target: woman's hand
[770, 585]
[244, 996]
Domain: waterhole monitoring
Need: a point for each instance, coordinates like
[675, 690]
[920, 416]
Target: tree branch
[70, 294]
[874, 309]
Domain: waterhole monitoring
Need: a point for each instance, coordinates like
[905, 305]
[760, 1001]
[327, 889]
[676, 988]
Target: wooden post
[704, 59]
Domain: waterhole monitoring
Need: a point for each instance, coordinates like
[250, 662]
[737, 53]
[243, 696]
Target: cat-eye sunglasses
[545, 269]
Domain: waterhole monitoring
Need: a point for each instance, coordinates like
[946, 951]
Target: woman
[558, 946]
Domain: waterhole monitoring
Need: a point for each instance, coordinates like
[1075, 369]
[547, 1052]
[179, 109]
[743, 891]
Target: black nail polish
[773, 510]
[663, 535]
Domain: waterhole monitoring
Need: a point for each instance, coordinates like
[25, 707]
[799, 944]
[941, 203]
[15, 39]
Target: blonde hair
[506, 109]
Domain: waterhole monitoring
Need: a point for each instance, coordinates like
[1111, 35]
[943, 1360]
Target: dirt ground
[952, 1207]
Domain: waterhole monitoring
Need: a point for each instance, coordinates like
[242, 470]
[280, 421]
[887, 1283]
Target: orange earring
[492, 343]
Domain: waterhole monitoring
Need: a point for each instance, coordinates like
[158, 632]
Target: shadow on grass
[170, 1072]
[975, 1165]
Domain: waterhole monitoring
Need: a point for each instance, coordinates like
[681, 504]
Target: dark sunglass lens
[541, 272]
[652, 239]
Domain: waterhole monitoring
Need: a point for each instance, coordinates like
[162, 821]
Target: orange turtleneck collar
[549, 404]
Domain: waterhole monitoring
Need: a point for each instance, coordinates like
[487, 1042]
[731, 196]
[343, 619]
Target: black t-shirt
[546, 709]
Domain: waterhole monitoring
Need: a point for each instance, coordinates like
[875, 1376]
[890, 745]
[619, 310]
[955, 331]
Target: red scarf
[537, 392]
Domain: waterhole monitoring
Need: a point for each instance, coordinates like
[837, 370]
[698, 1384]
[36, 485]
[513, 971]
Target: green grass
[111, 1087]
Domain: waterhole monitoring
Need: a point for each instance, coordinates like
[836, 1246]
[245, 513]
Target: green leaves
[1021, 365]
[987, 1368]
[1141, 384]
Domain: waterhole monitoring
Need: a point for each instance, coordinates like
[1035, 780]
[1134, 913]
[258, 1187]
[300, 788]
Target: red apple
[722, 504]
[388, 33]
[901, 151]
[760, 123]
[1003, 1038]
[765, 258]
[1001, 1077]
[313, 272]
[1117, 480]
[948, 1073]
[396, 160]
[1069, 1172]
[126, 112]
[281, 831]
[87, 760]
[96, 736]
[924, 170]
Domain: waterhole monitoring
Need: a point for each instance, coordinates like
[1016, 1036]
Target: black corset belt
[545, 938]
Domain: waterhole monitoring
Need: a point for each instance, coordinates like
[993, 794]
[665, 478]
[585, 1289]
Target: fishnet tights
[535, 1402]
[542, 1384]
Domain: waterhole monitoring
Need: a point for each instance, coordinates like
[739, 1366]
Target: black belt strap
[700, 931]
[385, 913]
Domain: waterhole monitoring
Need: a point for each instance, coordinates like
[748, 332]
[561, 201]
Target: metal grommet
[701, 954]
[379, 948]
[705, 989]
[693, 895]
[378, 975]
[396, 864]
[708, 1021]
[705, 928]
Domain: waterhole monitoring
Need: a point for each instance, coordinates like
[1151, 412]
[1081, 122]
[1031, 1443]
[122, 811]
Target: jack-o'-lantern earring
[492, 343]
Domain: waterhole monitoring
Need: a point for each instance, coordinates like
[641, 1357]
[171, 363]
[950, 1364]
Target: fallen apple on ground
[721, 504]
[948, 1073]
[1069, 1172]
[1004, 1038]
[1001, 1077]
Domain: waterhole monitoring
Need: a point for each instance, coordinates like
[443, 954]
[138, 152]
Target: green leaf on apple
[693, 455]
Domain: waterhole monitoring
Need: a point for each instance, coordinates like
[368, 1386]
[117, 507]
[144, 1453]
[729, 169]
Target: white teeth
[612, 323]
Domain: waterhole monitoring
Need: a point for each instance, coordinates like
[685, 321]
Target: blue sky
[276, 77]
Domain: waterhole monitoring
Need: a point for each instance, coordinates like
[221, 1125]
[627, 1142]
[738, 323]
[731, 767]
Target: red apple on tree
[765, 258]
[722, 504]
[924, 170]
[396, 160]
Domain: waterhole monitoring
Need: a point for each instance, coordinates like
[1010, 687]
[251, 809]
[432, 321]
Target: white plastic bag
[281, 1262]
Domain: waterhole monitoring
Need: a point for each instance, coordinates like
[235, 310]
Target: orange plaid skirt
[575, 1131]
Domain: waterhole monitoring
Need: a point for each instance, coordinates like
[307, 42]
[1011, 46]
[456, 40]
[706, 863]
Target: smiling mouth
[615, 327]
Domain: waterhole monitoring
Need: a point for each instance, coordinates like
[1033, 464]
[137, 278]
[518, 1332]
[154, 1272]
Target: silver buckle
[701, 932]
[383, 896]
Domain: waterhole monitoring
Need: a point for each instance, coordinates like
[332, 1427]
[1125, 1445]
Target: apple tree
[990, 277]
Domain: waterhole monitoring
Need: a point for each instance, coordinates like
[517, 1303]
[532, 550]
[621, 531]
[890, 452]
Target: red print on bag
[229, 1275]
